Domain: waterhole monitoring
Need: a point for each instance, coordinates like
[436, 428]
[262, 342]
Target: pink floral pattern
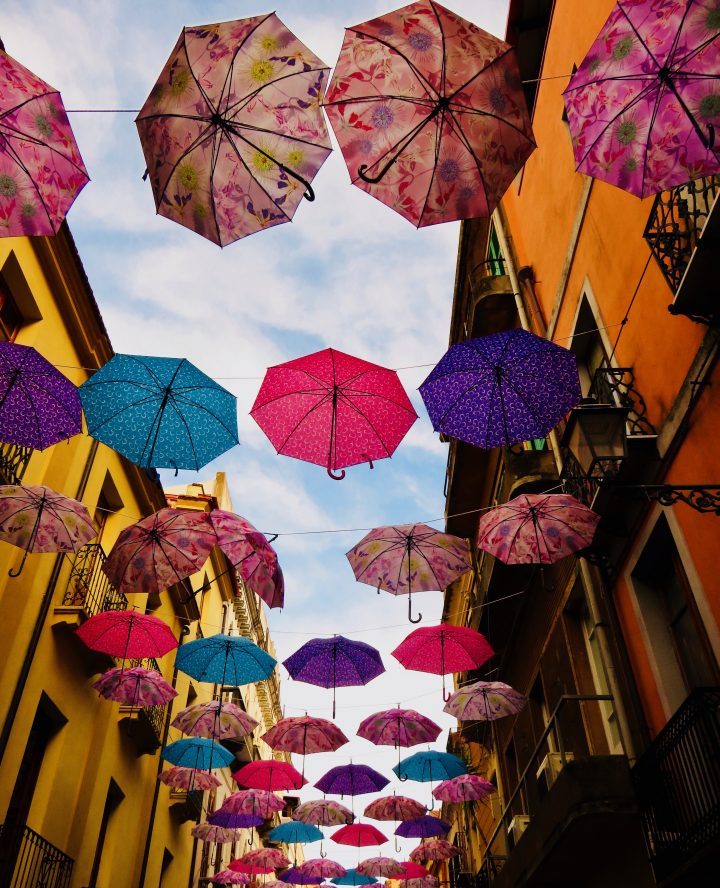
[233, 119]
[441, 101]
[207, 832]
[465, 788]
[228, 877]
[395, 807]
[434, 849]
[644, 104]
[398, 727]
[135, 687]
[37, 519]
[305, 735]
[323, 812]
[537, 528]
[188, 778]
[269, 858]
[382, 867]
[216, 721]
[253, 802]
[484, 701]
[321, 868]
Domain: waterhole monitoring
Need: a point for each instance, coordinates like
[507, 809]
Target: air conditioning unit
[549, 769]
[517, 827]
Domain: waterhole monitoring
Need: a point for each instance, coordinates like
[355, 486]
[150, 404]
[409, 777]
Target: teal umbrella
[198, 753]
[430, 765]
[225, 660]
[295, 831]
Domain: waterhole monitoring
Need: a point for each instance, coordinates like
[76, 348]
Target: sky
[348, 272]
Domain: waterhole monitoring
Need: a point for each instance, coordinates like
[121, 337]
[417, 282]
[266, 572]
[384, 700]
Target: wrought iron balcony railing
[35, 862]
[616, 385]
[13, 462]
[88, 587]
[154, 715]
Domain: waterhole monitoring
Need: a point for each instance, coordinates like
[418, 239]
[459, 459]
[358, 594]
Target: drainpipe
[510, 265]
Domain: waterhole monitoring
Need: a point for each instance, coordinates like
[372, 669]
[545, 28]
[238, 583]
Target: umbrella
[274, 883]
[127, 634]
[197, 752]
[351, 780]
[323, 812]
[216, 720]
[41, 171]
[252, 802]
[136, 686]
[266, 857]
[429, 113]
[484, 701]
[231, 660]
[384, 867]
[335, 662]
[239, 866]
[304, 735]
[430, 765]
[271, 775]
[232, 131]
[228, 877]
[423, 828]
[413, 870]
[321, 867]
[251, 554]
[409, 558]
[642, 107]
[38, 405]
[394, 808]
[159, 412]
[208, 832]
[434, 849]
[442, 649]
[160, 550]
[234, 821]
[188, 778]
[424, 882]
[333, 410]
[464, 788]
[37, 519]
[501, 389]
[295, 832]
[353, 877]
[398, 727]
[295, 877]
[359, 835]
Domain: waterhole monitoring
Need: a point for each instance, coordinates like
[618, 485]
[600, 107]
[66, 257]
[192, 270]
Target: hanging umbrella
[484, 701]
[188, 778]
[232, 131]
[228, 877]
[37, 519]
[409, 558]
[208, 832]
[351, 780]
[359, 835]
[394, 808]
[266, 857]
[434, 849]
[424, 882]
[423, 828]
[335, 662]
[197, 752]
[430, 765]
[443, 649]
[253, 802]
[384, 867]
[323, 812]
[250, 553]
[136, 686]
[38, 405]
[274, 883]
[127, 634]
[413, 870]
[333, 410]
[249, 869]
[41, 171]
[159, 412]
[234, 821]
[270, 775]
[398, 727]
[643, 105]
[293, 832]
[216, 720]
[429, 113]
[304, 735]
[294, 876]
[353, 877]
[159, 551]
[464, 788]
[321, 867]
[231, 660]
[501, 389]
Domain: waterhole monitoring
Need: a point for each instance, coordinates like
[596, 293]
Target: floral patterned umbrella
[384, 867]
[463, 788]
[208, 832]
[398, 727]
[323, 812]
[434, 849]
[216, 720]
[394, 807]
[232, 131]
[249, 551]
[136, 686]
[41, 171]
[270, 858]
[484, 701]
[409, 558]
[428, 881]
[643, 106]
[305, 734]
[127, 634]
[188, 778]
[359, 835]
[262, 802]
[321, 867]
[228, 877]
[37, 519]
[539, 528]
[429, 113]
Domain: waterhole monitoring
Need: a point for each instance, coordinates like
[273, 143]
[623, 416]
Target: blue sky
[347, 273]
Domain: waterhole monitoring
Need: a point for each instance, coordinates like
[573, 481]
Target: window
[112, 800]
[164, 866]
[11, 319]
[588, 346]
[17, 303]
[496, 262]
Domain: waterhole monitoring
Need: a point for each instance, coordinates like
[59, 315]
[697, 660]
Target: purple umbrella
[334, 663]
[501, 389]
[296, 877]
[234, 821]
[423, 828]
[351, 780]
[38, 405]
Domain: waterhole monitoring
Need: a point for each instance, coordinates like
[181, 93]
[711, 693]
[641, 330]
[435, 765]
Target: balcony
[38, 864]
[186, 805]
[682, 233]
[529, 468]
[491, 306]
[144, 725]
[677, 781]
[13, 463]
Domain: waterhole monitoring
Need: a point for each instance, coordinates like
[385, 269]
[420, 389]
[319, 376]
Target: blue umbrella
[197, 752]
[295, 831]
[424, 766]
[426, 827]
[159, 412]
[353, 877]
[225, 660]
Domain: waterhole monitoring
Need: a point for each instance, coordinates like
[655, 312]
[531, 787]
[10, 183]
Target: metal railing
[488, 268]
[677, 782]
[616, 385]
[38, 864]
[14, 461]
[155, 715]
[88, 587]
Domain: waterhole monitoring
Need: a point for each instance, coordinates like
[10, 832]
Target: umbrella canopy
[127, 634]
[351, 780]
[539, 528]
[642, 107]
[197, 752]
[394, 808]
[188, 778]
[41, 171]
[208, 832]
[384, 867]
[160, 550]
[234, 821]
[216, 720]
[359, 835]
[294, 832]
[225, 659]
[424, 882]
[321, 867]
[252, 555]
[429, 113]
[464, 788]
[323, 812]
[38, 405]
[423, 828]
[37, 519]
[253, 802]
[270, 775]
[353, 877]
[434, 849]
[430, 765]
[239, 866]
[484, 701]
[335, 662]
[159, 412]
[266, 857]
[228, 877]
[305, 734]
[333, 410]
[135, 687]
[398, 727]
[501, 389]
[294, 876]
[232, 131]
[413, 870]
[409, 558]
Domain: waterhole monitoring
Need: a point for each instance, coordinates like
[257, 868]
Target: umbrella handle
[410, 616]
[272, 537]
[16, 573]
[338, 477]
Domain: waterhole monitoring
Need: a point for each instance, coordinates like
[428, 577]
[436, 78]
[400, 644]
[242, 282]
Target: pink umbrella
[305, 734]
[359, 835]
[383, 867]
[216, 720]
[434, 849]
[41, 171]
[160, 550]
[409, 558]
[249, 551]
[395, 808]
[398, 727]
[465, 788]
[260, 802]
[484, 701]
[323, 812]
[537, 528]
[135, 687]
[266, 857]
[272, 775]
[127, 634]
[188, 778]
[413, 870]
[239, 866]
[207, 832]
[321, 868]
[424, 882]
[228, 877]
[333, 409]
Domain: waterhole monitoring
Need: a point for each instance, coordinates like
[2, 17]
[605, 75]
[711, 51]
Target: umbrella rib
[439, 122]
[50, 394]
[301, 421]
[372, 428]
[241, 104]
[159, 416]
[642, 42]
[22, 166]
[14, 133]
[217, 142]
[196, 143]
[653, 117]
[196, 406]
[200, 89]
[278, 135]
[421, 80]
[462, 109]
[45, 95]
[237, 50]
[254, 178]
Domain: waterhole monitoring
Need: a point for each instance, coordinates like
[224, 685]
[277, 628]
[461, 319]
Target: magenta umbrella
[135, 687]
[359, 835]
[434, 849]
[464, 788]
[251, 802]
[271, 775]
[127, 634]
[394, 808]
